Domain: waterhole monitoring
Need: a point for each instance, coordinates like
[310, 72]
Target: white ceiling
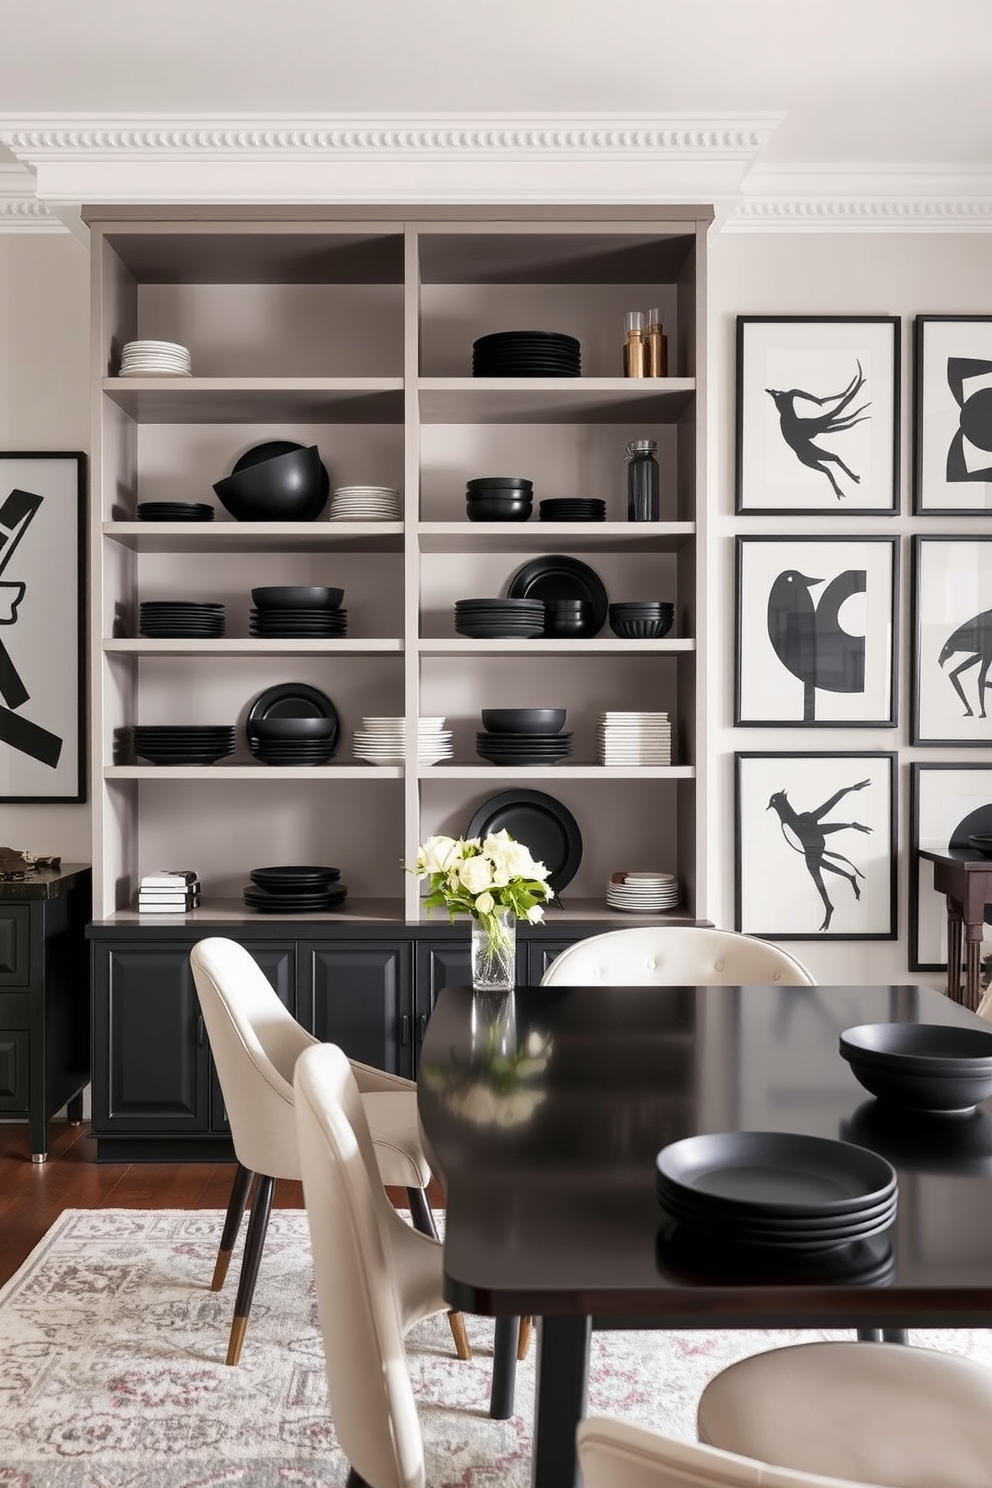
[900, 82]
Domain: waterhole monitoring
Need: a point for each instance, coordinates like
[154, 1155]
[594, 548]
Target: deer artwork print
[800, 430]
[806, 832]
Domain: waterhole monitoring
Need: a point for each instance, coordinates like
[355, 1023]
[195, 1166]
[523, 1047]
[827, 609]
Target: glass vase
[494, 954]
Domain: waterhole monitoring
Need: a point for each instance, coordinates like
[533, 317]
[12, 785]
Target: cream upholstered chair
[879, 1413]
[615, 1455]
[674, 955]
[375, 1276]
[255, 1042]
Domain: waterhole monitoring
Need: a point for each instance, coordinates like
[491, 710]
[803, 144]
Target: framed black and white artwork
[42, 626]
[952, 640]
[948, 804]
[817, 414]
[816, 845]
[952, 399]
[816, 631]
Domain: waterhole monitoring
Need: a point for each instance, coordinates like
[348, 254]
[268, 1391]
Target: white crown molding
[20, 209]
[413, 158]
[873, 199]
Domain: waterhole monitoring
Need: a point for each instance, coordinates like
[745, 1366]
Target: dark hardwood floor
[33, 1195]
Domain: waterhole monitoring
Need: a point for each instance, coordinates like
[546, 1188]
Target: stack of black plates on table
[290, 889]
[183, 744]
[779, 1192]
[572, 509]
[523, 736]
[526, 354]
[174, 511]
[166, 617]
[301, 611]
[491, 619]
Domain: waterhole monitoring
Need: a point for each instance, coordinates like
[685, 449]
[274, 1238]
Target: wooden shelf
[566, 770]
[235, 646]
[321, 536]
[554, 400]
[553, 537]
[542, 646]
[275, 773]
[253, 400]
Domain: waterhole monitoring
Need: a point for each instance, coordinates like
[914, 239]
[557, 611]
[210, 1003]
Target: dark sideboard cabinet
[369, 988]
[44, 998]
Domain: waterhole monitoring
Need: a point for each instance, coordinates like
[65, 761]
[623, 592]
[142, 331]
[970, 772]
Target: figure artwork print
[817, 414]
[952, 640]
[815, 849]
[952, 447]
[816, 623]
[41, 629]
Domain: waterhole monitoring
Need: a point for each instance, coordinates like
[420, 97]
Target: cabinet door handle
[404, 1030]
[200, 1031]
[422, 1027]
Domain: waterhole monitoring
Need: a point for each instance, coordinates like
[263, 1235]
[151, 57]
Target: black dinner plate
[296, 875]
[780, 1227]
[558, 576]
[781, 1173]
[544, 825]
[293, 700]
[503, 338]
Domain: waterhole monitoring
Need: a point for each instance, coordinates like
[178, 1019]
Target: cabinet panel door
[14, 1076]
[15, 955]
[279, 964]
[541, 953]
[362, 999]
[150, 1057]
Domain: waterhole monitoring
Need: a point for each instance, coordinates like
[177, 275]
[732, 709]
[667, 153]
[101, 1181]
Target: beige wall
[44, 405]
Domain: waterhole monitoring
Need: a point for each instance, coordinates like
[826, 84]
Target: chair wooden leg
[258, 1223]
[523, 1342]
[232, 1224]
[423, 1220]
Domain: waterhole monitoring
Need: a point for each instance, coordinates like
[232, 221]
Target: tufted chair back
[674, 955]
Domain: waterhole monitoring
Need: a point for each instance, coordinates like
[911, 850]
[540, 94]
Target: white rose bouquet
[484, 877]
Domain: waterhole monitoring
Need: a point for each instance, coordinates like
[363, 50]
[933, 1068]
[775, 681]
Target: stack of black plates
[490, 619]
[287, 889]
[572, 509]
[526, 354]
[532, 748]
[174, 511]
[776, 1191]
[301, 624]
[183, 744]
[165, 617]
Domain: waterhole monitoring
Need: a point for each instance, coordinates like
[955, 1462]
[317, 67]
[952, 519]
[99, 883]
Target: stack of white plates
[642, 893]
[155, 359]
[366, 504]
[634, 739]
[382, 741]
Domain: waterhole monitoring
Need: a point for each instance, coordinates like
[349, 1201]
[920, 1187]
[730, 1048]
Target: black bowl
[487, 483]
[287, 487]
[523, 720]
[566, 623]
[923, 1066]
[297, 597]
[292, 728]
[642, 607]
[497, 509]
[641, 628]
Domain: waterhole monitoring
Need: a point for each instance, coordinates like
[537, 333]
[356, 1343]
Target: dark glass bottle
[643, 482]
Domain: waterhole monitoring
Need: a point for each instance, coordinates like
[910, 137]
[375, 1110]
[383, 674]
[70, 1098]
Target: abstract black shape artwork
[952, 426]
[808, 637]
[801, 430]
[970, 382]
[41, 626]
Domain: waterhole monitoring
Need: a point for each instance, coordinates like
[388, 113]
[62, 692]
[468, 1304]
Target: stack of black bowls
[499, 498]
[300, 611]
[569, 617]
[293, 741]
[291, 889]
[523, 736]
[641, 619]
[526, 354]
[277, 481]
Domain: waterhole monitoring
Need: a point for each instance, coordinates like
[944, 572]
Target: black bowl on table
[523, 720]
[297, 597]
[291, 486]
[937, 1067]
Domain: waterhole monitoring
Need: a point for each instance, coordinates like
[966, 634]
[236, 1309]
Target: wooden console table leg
[953, 949]
[973, 964]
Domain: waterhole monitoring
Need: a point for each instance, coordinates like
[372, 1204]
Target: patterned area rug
[112, 1372]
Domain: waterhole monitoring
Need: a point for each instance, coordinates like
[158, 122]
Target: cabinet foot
[39, 1157]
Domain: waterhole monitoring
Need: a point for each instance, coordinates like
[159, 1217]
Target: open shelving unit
[354, 332]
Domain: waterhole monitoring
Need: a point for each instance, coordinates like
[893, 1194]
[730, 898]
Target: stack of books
[169, 891]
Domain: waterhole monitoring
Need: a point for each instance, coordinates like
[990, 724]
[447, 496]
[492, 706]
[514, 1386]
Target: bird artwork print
[801, 430]
[807, 635]
[806, 832]
[974, 640]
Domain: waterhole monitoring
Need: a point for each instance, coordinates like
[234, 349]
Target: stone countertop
[44, 883]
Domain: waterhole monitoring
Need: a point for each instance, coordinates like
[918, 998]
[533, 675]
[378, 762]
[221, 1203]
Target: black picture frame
[952, 415]
[817, 415]
[805, 822]
[947, 803]
[42, 626]
[952, 640]
[802, 661]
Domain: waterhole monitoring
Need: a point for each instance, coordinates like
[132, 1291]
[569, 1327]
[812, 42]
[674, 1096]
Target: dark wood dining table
[546, 1150]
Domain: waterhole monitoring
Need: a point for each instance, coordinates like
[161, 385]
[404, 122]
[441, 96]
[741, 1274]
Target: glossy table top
[549, 1160]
